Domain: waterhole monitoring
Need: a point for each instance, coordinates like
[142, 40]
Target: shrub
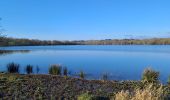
[150, 76]
[55, 70]
[65, 71]
[85, 96]
[88, 96]
[29, 69]
[82, 74]
[13, 68]
[168, 81]
[148, 93]
[105, 76]
[37, 69]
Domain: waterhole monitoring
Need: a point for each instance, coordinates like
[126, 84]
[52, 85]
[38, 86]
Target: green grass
[85, 96]
[82, 74]
[55, 69]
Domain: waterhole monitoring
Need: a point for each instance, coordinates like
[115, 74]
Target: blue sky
[85, 19]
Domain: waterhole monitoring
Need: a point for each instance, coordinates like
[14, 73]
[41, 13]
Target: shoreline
[57, 85]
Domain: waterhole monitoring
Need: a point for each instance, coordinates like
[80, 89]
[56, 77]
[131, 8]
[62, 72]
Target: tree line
[6, 41]
[152, 41]
[32, 42]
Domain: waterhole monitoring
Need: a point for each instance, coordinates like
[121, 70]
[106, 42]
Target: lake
[120, 62]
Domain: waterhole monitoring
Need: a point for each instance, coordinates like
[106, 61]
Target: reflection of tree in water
[6, 52]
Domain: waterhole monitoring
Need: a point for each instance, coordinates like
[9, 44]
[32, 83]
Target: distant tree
[0, 30]
[1, 33]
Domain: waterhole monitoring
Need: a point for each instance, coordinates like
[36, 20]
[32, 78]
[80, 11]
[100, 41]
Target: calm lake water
[120, 62]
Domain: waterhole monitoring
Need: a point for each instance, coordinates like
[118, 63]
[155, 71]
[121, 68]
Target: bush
[65, 71]
[82, 74]
[29, 69]
[88, 96]
[148, 93]
[13, 68]
[37, 69]
[55, 70]
[85, 96]
[105, 76]
[150, 76]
